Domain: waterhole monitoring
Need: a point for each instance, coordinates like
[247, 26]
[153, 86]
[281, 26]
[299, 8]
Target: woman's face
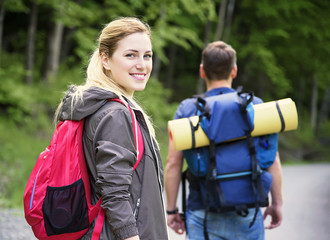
[131, 63]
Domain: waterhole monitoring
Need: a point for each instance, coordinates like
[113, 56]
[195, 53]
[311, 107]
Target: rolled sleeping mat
[275, 116]
[270, 117]
[184, 136]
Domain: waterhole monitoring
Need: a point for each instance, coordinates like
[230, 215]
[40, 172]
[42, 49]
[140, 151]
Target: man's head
[218, 61]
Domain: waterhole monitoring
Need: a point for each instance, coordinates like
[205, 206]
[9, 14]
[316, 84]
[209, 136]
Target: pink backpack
[57, 197]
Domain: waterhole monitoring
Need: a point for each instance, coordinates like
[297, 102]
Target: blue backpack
[232, 169]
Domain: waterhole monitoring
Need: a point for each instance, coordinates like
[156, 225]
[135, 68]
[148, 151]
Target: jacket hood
[93, 99]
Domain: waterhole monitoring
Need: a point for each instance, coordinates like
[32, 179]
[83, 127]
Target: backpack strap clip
[202, 108]
[245, 98]
[242, 210]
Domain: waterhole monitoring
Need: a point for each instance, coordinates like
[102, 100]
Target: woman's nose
[140, 63]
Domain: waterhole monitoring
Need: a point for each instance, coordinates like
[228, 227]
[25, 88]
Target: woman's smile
[131, 63]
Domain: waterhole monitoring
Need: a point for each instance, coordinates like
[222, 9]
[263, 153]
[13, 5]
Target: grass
[19, 150]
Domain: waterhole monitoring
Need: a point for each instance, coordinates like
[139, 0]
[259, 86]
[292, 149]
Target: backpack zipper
[198, 162]
[35, 181]
[33, 189]
[235, 174]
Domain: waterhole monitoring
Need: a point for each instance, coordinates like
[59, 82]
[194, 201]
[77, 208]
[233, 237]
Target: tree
[2, 16]
[221, 20]
[229, 19]
[52, 56]
[30, 42]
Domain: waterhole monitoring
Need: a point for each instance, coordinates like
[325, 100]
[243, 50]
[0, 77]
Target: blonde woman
[132, 199]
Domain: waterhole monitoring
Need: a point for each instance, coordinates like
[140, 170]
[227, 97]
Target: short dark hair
[218, 59]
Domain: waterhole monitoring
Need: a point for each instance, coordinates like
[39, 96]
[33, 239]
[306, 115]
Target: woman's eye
[130, 55]
[148, 56]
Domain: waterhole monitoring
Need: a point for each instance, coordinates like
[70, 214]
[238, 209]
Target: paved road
[306, 210]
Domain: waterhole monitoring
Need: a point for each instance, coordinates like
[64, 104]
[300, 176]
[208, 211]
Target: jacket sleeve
[115, 157]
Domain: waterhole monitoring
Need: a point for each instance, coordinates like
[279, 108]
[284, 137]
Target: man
[218, 68]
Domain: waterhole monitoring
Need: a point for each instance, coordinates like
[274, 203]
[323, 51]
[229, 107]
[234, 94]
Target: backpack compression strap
[202, 111]
[245, 99]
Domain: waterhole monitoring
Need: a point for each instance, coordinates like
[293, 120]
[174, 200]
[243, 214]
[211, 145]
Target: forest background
[282, 48]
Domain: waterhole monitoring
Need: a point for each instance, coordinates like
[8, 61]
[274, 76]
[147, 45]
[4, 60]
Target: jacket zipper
[136, 211]
[158, 173]
[157, 164]
[153, 148]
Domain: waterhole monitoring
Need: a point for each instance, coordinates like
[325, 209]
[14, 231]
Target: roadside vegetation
[283, 50]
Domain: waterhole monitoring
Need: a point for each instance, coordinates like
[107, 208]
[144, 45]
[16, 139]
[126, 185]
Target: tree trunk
[170, 68]
[324, 110]
[2, 17]
[66, 43]
[229, 19]
[54, 51]
[156, 67]
[221, 20]
[67, 39]
[313, 110]
[30, 49]
[301, 96]
[157, 62]
[200, 86]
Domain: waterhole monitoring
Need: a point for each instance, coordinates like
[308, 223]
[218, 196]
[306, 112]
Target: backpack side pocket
[65, 209]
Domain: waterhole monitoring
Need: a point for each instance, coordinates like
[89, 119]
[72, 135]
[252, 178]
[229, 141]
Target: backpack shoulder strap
[138, 139]
[139, 146]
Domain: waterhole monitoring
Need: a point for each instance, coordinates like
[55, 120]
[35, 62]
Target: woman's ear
[105, 61]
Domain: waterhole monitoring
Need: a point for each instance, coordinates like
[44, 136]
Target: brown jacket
[132, 200]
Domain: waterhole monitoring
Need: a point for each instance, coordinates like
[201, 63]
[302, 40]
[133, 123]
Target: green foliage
[19, 150]
[302, 144]
[76, 15]
[154, 101]
[26, 131]
[15, 96]
[26, 125]
[16, 6]
[204, 10]
[281, 42]
[281, 46]
[86, 40]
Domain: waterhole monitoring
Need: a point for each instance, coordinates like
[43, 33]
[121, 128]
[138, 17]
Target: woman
[132, 199]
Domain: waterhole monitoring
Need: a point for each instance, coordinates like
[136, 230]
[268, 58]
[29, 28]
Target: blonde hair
[108, 40]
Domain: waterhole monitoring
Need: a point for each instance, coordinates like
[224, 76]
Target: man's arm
[275, 209]
[172, 183]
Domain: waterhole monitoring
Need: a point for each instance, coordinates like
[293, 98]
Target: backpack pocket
[266, 148]
[65, 209]
[237, 190]
[197, 160]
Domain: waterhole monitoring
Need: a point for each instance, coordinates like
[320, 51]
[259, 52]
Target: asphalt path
[306, 208]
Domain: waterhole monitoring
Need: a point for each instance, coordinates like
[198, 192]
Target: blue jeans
[225, 226]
